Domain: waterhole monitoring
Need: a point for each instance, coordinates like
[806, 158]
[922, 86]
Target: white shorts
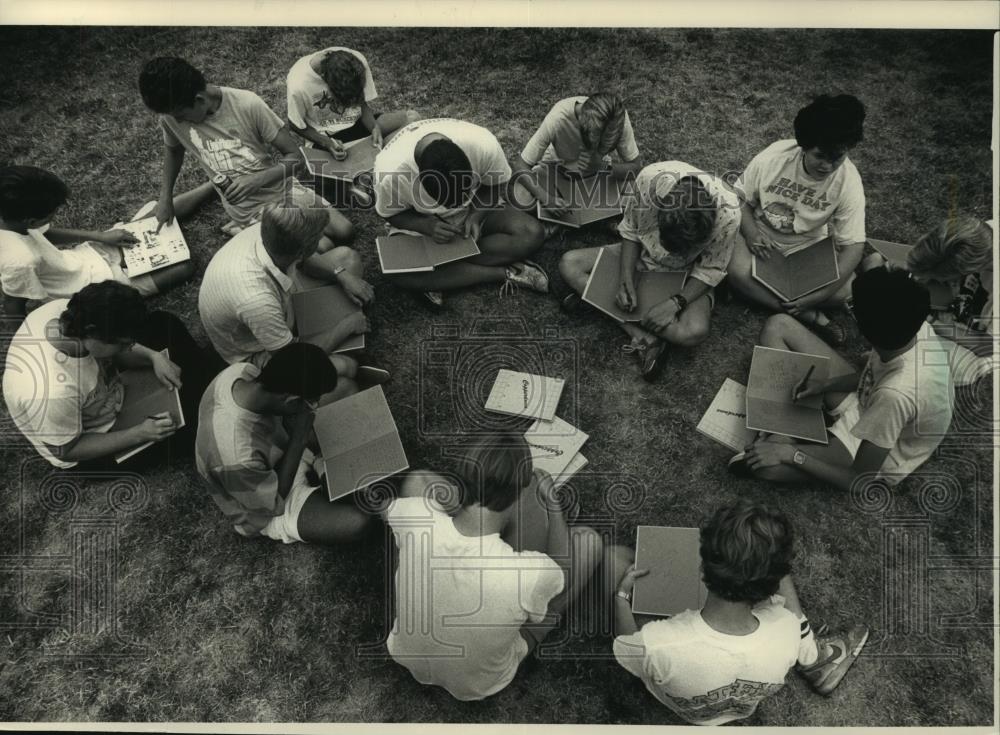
[848, 414]
[285, 528]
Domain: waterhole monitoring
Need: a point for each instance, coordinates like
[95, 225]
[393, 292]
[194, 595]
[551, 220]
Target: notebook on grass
[897, 253]
[726, 417]
[773, 375]
[524, 394]
[798, 272]
[591, 198]
[553, 444]
[673, 584]
[154, 250]
[360, 159]
[419, 253]
[358, 441]
[650, 287]
[145, 396]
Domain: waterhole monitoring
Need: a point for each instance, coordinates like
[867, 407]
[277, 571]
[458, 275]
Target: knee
[349, 258]
[531, 233]
[412, 116]
[571, 264]
[347, 367]
[691, 334]
[340, 230]
[777, 327]
[186, 270]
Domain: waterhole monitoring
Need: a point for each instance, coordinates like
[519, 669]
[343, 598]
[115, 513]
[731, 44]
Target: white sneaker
[528, 275]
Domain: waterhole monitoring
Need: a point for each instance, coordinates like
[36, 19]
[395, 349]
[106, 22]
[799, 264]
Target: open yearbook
[359, 442]
[897, 253]
[591, 198]
[650, 287]
[154, 250]
[773, 375]
[524, 394]
[799, 271]
[145, 396]
[418, 253]
[673, 584]
[360, 159]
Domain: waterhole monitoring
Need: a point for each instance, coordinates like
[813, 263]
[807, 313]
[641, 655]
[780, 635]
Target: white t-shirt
[397, 188]
[31, 267]
[792, 208]
[708, 677]
[906, 404]
[54, 398]
[461, 601]
[308, 95]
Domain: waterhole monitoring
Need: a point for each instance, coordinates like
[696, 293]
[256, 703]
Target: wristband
[338, 270]
[681, 301]
[627, 596]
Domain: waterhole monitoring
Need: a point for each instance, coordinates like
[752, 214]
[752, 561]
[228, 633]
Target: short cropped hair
[107, 311]
[746, 549]
[833, 124]
[957, 247]
[344, 74]
[445, 173]
[685, 216]
[27, 192]
[299, 369]
[602, 121]
[167, 83]
[889, 306]
[494, 470]
[291, 231]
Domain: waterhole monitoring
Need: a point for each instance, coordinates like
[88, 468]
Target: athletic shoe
[841, 651]
[652, 359]
[571, 303]
[832, 333]
[738, 466]
[434, 298]
[369, 377]
[528, 275]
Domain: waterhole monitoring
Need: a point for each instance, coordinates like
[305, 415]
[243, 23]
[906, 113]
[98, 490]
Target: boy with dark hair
[715, 665]
[486, 565]
[252, 449]
[797, 192]
[679, 219]
[445, 178]
[33, 269]
[232, 133]
[889, 418]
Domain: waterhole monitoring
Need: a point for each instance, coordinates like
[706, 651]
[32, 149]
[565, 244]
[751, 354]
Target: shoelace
[508, 287]
[631, 349]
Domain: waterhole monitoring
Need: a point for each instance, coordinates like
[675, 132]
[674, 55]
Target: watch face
[799, 458]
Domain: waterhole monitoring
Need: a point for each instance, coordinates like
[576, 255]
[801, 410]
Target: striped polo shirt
[237, 451]
[245, 301]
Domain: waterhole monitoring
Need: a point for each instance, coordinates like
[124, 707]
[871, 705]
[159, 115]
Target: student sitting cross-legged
[717, 664]
[798, 191]
[680, 219]
[61, 381]
[444, 179]
[486, 566]
[889, 418]
[33, 269]
[233, 133]
[253, 450]
[245, 298]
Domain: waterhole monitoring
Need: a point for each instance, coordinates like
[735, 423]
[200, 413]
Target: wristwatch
[627, 596]
[338, 270]
[681, 302]
[799, 457]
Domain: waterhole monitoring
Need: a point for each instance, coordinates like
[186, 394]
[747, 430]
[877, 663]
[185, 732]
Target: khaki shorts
[285, 528]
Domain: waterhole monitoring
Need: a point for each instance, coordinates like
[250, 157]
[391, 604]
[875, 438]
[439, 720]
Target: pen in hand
[796, 392]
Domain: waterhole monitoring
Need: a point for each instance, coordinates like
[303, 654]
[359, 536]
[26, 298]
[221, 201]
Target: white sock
[808, 651]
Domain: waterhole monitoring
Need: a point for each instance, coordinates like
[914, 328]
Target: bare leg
[390, 122]
[322, 265]
[449, 277]
[172, 275]
[692, 327]
[833, 453]
[188, 203]
[508, 236]
[339, 231]
[575, 267]
[339, 522]
[742, 280]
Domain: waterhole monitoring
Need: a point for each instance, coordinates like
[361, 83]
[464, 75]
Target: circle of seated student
[62, 381]
[889, 418]
[245, 300]
[680, 220]
[715, 665]
[444, 179]
[486, 566]
[796, 193]
[257, 451]
[33, 269]
[231, 132]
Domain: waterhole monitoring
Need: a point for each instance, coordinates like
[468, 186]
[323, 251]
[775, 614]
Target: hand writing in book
[336, 149]
[154, 428]
[660, 316]
[164, 212]
[445, 231]
[626, 298]
[166, 371]
[121, 238]
[627, 582]
[806, 388]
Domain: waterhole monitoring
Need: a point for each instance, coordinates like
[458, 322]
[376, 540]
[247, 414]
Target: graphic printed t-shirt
[792, 208]
[53, 398]
[31, 267]
[558, 138]
[708, 677]
[234, 141]
[461, 601]
[397, 188]
[309, 99]
[906, 403]
[708, 262]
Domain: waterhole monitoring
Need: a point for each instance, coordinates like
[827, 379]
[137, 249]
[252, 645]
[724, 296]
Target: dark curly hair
[685, 216]
[494, 470]
[167, 83]
[344, 74]
[746, 549]
[107, 311]
[27, 192]
[832, 124]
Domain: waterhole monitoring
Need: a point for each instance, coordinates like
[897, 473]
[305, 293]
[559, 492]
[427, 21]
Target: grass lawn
[214, 627]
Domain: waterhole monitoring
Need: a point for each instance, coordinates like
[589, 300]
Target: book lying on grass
[673, 584]
[321, 308]
[419, 253]
[590, 199]
[145, 396]
[524, 394]
[650, 287]
[576, 463]
[726, 417]
[773, 375]
[897, 253]
[358, 441]
[154, 250]
[799, 271]
[553, 444]
[360, 159]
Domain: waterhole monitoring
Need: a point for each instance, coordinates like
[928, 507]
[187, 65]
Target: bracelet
[681, 301]
[338, 270]
[627, 596]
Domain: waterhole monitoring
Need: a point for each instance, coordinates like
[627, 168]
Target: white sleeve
[539, 586]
